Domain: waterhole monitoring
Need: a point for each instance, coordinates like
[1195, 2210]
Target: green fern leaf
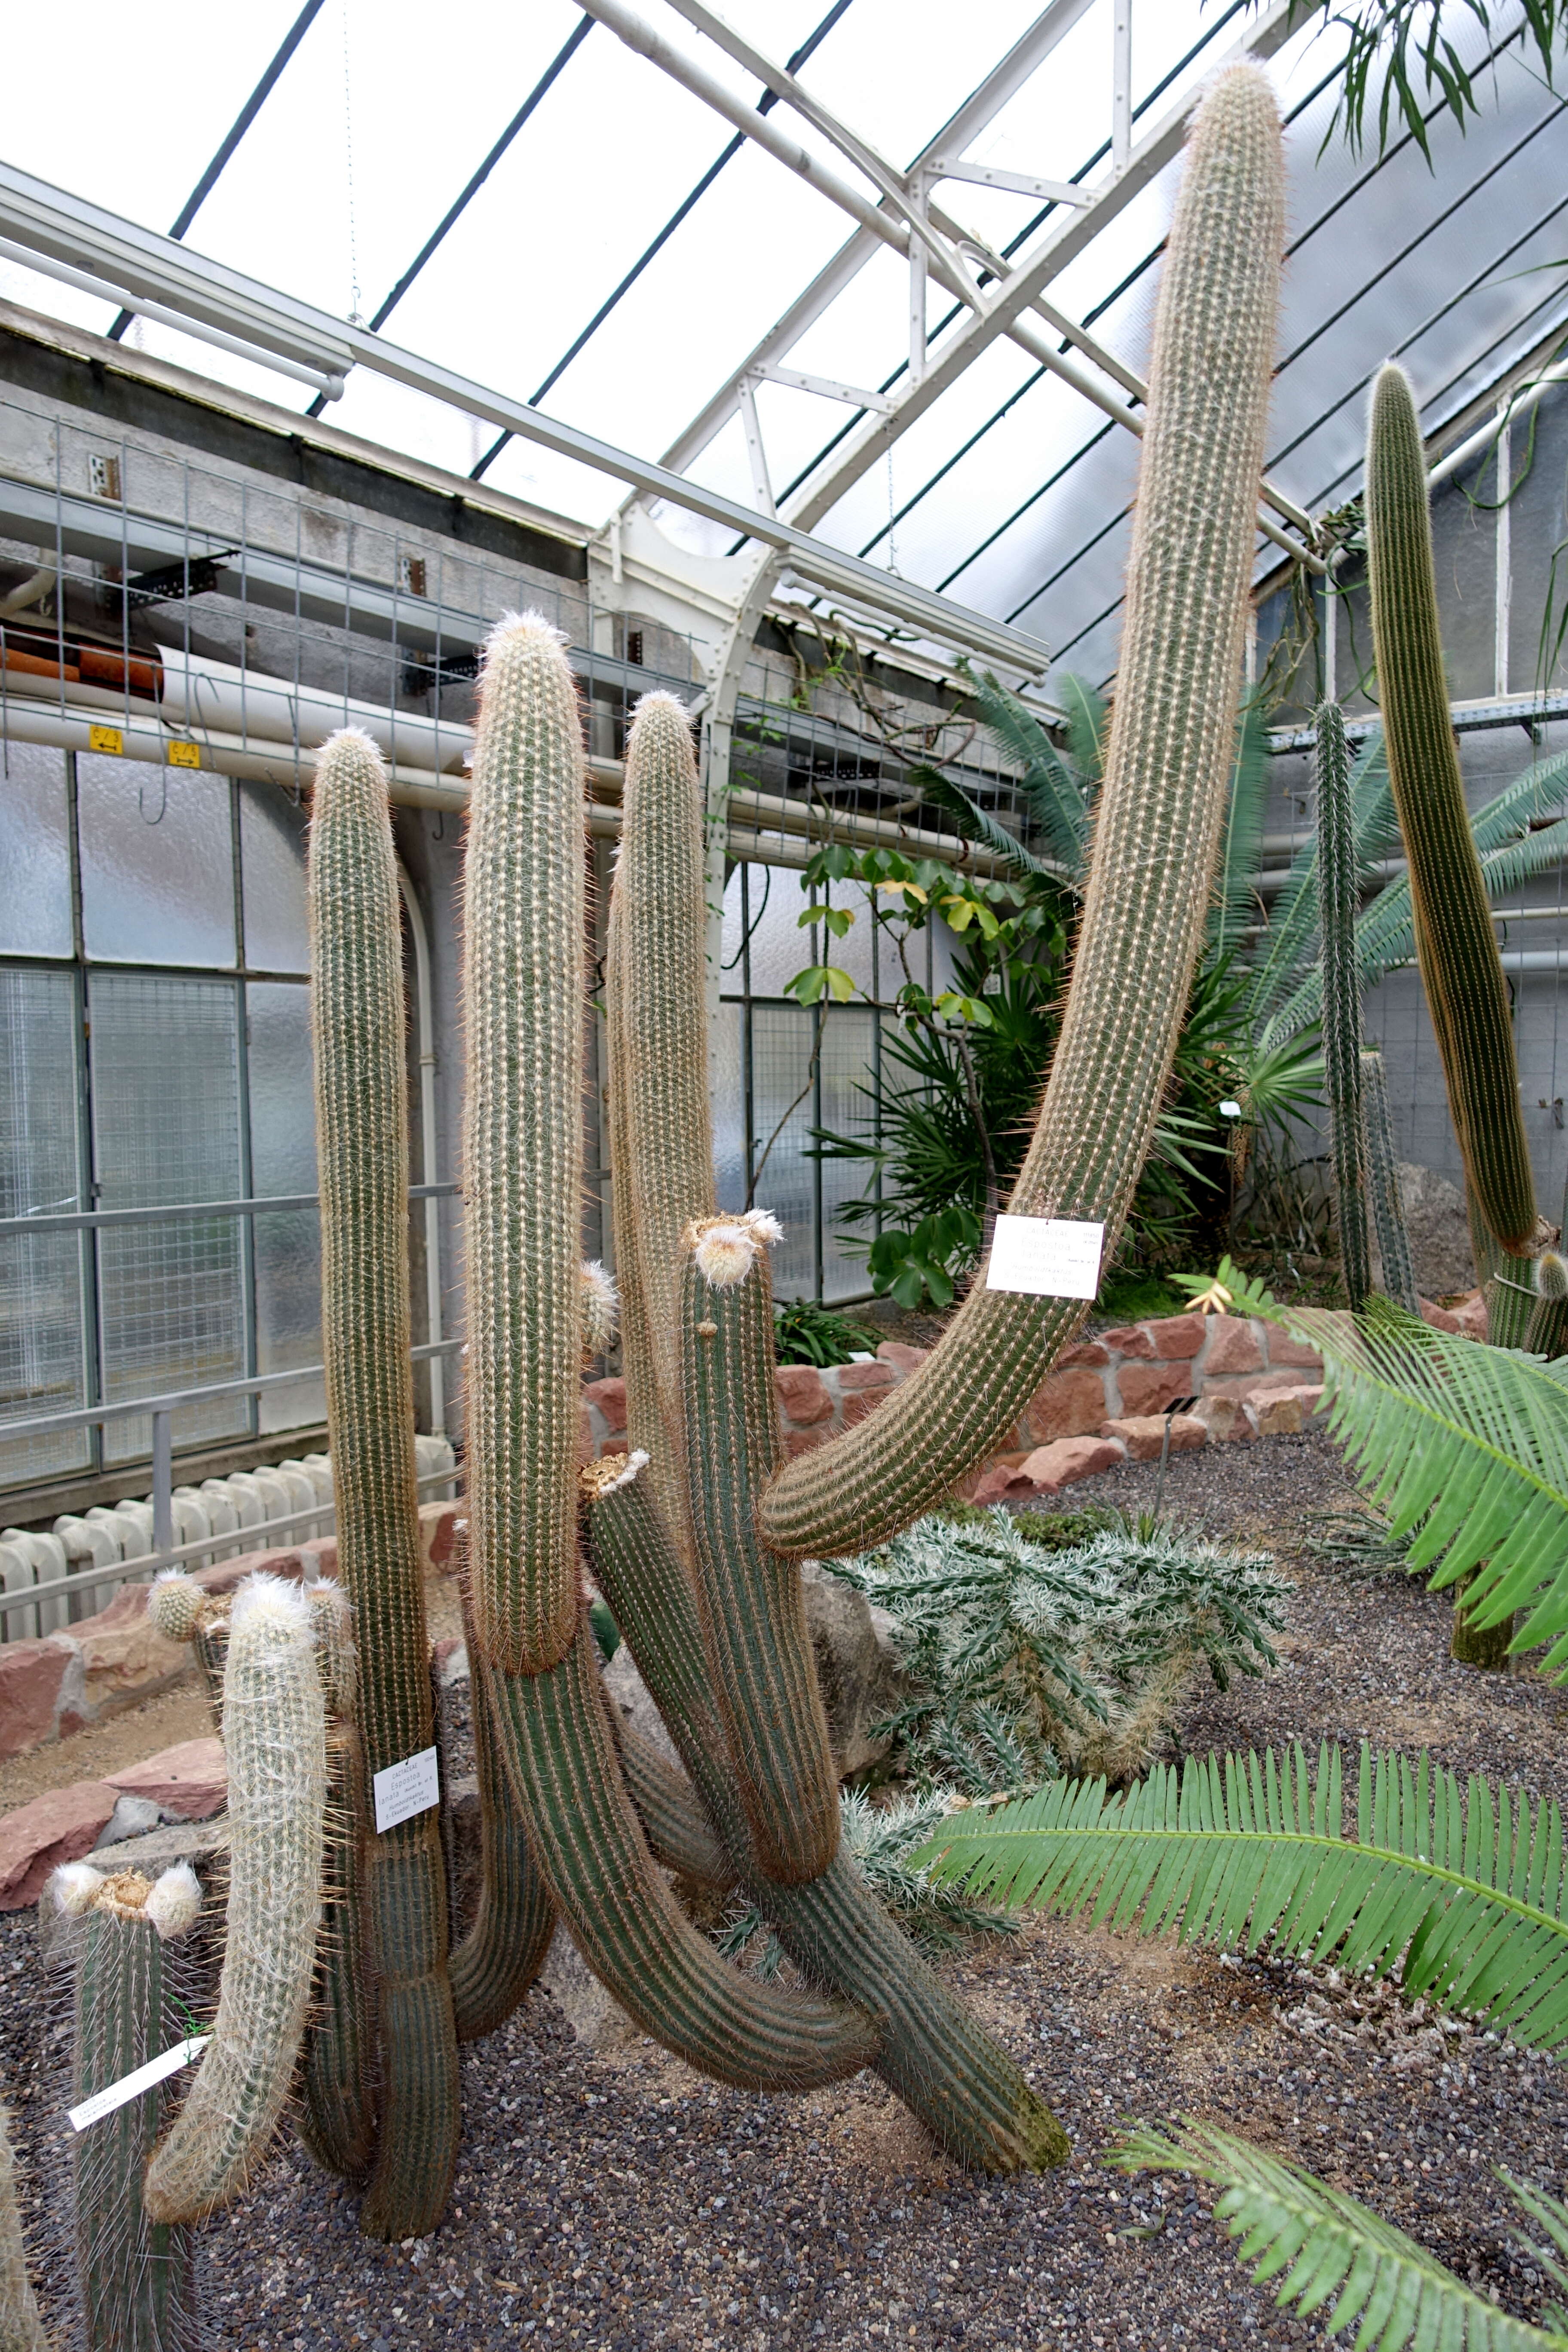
[1465, 1449]
[1463, 1892]
[1330, 2248]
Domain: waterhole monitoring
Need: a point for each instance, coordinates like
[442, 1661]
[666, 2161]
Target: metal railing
[166, 1552]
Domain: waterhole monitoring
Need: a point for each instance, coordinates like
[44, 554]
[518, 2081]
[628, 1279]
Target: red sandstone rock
[320, 1558]
[1143, 1434]
[1232, 1346]
[801, 1441]
[1128, 1340]
[864, 1376]
[131, 1655]
[610, 1396]
[189, 1780]
[1050, 1467]
[585, 1438]
[1243, 1383]
[60, 1827]
[1224, 1418]
[1284, 1349]
[902, 1357]
[1176, 1338]
[1004, 1482]
[437, 1522]
[1278, 1412]
[1440, 1318]
[228, 1573]
[860, 1404]
[801, 1394]
[1085, 1351]
[1068, 1404]
[32, 1677]
[1148, 1388]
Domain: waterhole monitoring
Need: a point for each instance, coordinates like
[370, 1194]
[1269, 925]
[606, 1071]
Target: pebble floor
[610, 2198]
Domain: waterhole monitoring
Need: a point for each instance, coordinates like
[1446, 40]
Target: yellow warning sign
[185, 755]
[105, 738]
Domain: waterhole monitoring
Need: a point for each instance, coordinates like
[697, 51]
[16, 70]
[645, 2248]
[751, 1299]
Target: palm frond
[1332, 2249]
[1470, 1891]
[977, 824]
[1235, 906]
[1462, 1447]
[1054, 792]
[1510, 852]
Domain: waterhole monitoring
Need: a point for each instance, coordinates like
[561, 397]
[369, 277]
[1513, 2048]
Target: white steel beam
[1013, 183]
[1121, 84]
[1003, 306]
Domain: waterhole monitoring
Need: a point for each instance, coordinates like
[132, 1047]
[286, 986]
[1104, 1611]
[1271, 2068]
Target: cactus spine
[1456, 945]
[338, 2121]
[1156, 839]
[1337, 897]
[357, 1019]
[523, 992]
[133, 2269]
[21, 2329]
[274, 1737]
[1382, 1178]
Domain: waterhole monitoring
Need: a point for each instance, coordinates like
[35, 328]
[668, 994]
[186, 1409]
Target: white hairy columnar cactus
[274, 1731]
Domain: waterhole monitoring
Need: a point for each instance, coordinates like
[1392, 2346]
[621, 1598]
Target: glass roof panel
[624, 256]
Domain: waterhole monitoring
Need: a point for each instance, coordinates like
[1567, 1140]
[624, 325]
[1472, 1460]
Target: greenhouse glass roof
[527, 197]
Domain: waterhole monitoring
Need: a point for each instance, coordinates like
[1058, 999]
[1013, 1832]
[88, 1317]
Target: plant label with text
[1050, 1258]
[131, 2086]
[406, 1788]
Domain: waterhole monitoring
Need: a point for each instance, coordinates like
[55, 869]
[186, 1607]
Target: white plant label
[1050, 1257]
[131, 2086]
[406, 1788]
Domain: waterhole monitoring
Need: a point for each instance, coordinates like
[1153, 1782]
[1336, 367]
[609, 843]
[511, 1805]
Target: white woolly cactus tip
[263, 1596]
[175, 1604]
[601, 1307]
[659, 698]
[514, 626]
[611, 1473]
[352, 739]
[1552, 1275]
[74, 1886]
[175, 1903]
[726, 1248]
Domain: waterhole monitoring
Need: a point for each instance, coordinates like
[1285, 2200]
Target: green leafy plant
[1334, 2251]
[911, 1266]
[805, 1333]
[1463, 1447]
[1402, 52]
[1463, 1892]
[1023, 1653]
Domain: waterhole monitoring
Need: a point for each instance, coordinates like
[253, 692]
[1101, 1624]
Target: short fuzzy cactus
[274, 1737]
[177, 1604]
[133, 2269]
[1157, 829]
[21, 2328]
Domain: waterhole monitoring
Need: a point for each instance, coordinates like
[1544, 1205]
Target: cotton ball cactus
[177, 1604]
[174, 1904]
[74, 1887]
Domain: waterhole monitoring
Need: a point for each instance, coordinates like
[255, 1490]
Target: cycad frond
[1462, 1446]
[1470, 1891]
[977, 824]
[1235, 901]
[1288, 949]
[1332, 2249]
[1054, 790]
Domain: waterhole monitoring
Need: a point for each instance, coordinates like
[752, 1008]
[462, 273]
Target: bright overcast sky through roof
[399, 107]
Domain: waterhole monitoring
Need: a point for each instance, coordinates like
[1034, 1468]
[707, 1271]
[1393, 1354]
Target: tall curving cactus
[1456, 944]
[274, 1737]
[1337, 900]
[524, 994]
[133, 2264]
[1156, 833]
[1382, 1182]
[362, 1129]
[337, 2120]
[21, 2328]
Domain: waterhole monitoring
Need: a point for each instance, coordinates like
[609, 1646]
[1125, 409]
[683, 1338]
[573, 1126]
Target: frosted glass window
[35, 853]
[283, 1160]
[165, 1116]
[272, 861]
[847, 1048]
[781, 1036]
[157, 862]
[41, 1360]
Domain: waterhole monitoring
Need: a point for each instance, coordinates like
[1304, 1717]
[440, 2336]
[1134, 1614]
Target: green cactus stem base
[337, 2114]
[502, 1952]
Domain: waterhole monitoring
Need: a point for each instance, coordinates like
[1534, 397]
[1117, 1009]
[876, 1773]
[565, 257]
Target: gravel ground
[610, 2198]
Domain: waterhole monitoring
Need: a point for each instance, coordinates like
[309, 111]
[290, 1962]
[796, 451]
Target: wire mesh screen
[42, 1367]
[166, 1127]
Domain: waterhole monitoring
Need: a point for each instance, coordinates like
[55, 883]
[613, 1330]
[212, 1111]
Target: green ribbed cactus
[523, 994]
[362, 1130]
[274, 1737]
[1383, 1183]
[1157, 831]
[133, 2269]
[660, 1121]
[1338, 899]
[21, 2329]
[1456, 944]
